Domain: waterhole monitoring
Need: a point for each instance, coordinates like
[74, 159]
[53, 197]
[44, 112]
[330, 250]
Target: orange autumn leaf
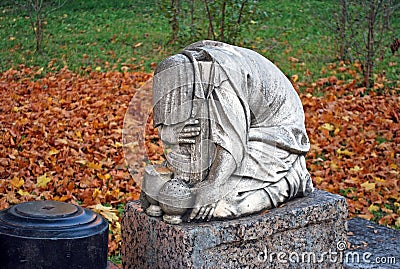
[93, 165]
[17, 182]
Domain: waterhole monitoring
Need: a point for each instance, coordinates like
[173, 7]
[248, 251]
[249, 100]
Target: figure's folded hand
[203, 212]
[189, 132]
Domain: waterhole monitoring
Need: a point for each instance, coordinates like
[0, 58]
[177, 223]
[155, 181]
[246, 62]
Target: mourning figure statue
[233, 130]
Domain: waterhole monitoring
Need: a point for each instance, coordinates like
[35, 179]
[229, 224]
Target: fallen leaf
[53, 151]
[42, 181]
[368, 186]
[106, 211]
[93, 165]
[23, 193]
[17, 182]
[373, 208]
[378, 179]
[96, 192]
[344, 152]
[328, 126]
[356, 168]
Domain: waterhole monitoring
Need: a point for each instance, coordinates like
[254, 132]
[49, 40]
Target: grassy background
[133, 35]
[86, 35]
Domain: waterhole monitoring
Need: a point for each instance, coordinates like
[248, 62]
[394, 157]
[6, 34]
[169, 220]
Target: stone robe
[251, 110]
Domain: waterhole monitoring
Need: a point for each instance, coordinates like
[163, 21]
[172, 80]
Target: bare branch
[38, 10]
[60, 5]
[241, 12]
[222, 28]
[210, 24]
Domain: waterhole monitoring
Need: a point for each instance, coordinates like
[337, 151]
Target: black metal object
[52, 235]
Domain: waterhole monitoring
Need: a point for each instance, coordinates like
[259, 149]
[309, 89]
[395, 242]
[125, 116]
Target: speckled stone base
[304, 233]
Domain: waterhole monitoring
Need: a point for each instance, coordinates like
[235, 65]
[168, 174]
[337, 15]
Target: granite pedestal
[306, 232]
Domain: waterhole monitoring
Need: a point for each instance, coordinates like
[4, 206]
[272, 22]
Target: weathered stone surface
[372, 246]
[234, 128]
[304, 227]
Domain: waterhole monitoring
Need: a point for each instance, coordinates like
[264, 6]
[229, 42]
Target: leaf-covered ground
[61, 139]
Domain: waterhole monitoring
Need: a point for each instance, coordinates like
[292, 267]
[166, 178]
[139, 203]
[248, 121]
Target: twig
[210, 25]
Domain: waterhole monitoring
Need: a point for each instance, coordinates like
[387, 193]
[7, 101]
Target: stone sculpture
[233, 129]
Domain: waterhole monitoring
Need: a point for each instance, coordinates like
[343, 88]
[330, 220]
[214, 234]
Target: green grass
[104, 35]
[85, 35]
[292, 29]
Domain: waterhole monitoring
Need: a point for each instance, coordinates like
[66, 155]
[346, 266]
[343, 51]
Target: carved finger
[201, 212]
[192, 122]
[194, 213]
[188, 134]
[206, 212]
[211, 214]
[187, 129]
[186, 141]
